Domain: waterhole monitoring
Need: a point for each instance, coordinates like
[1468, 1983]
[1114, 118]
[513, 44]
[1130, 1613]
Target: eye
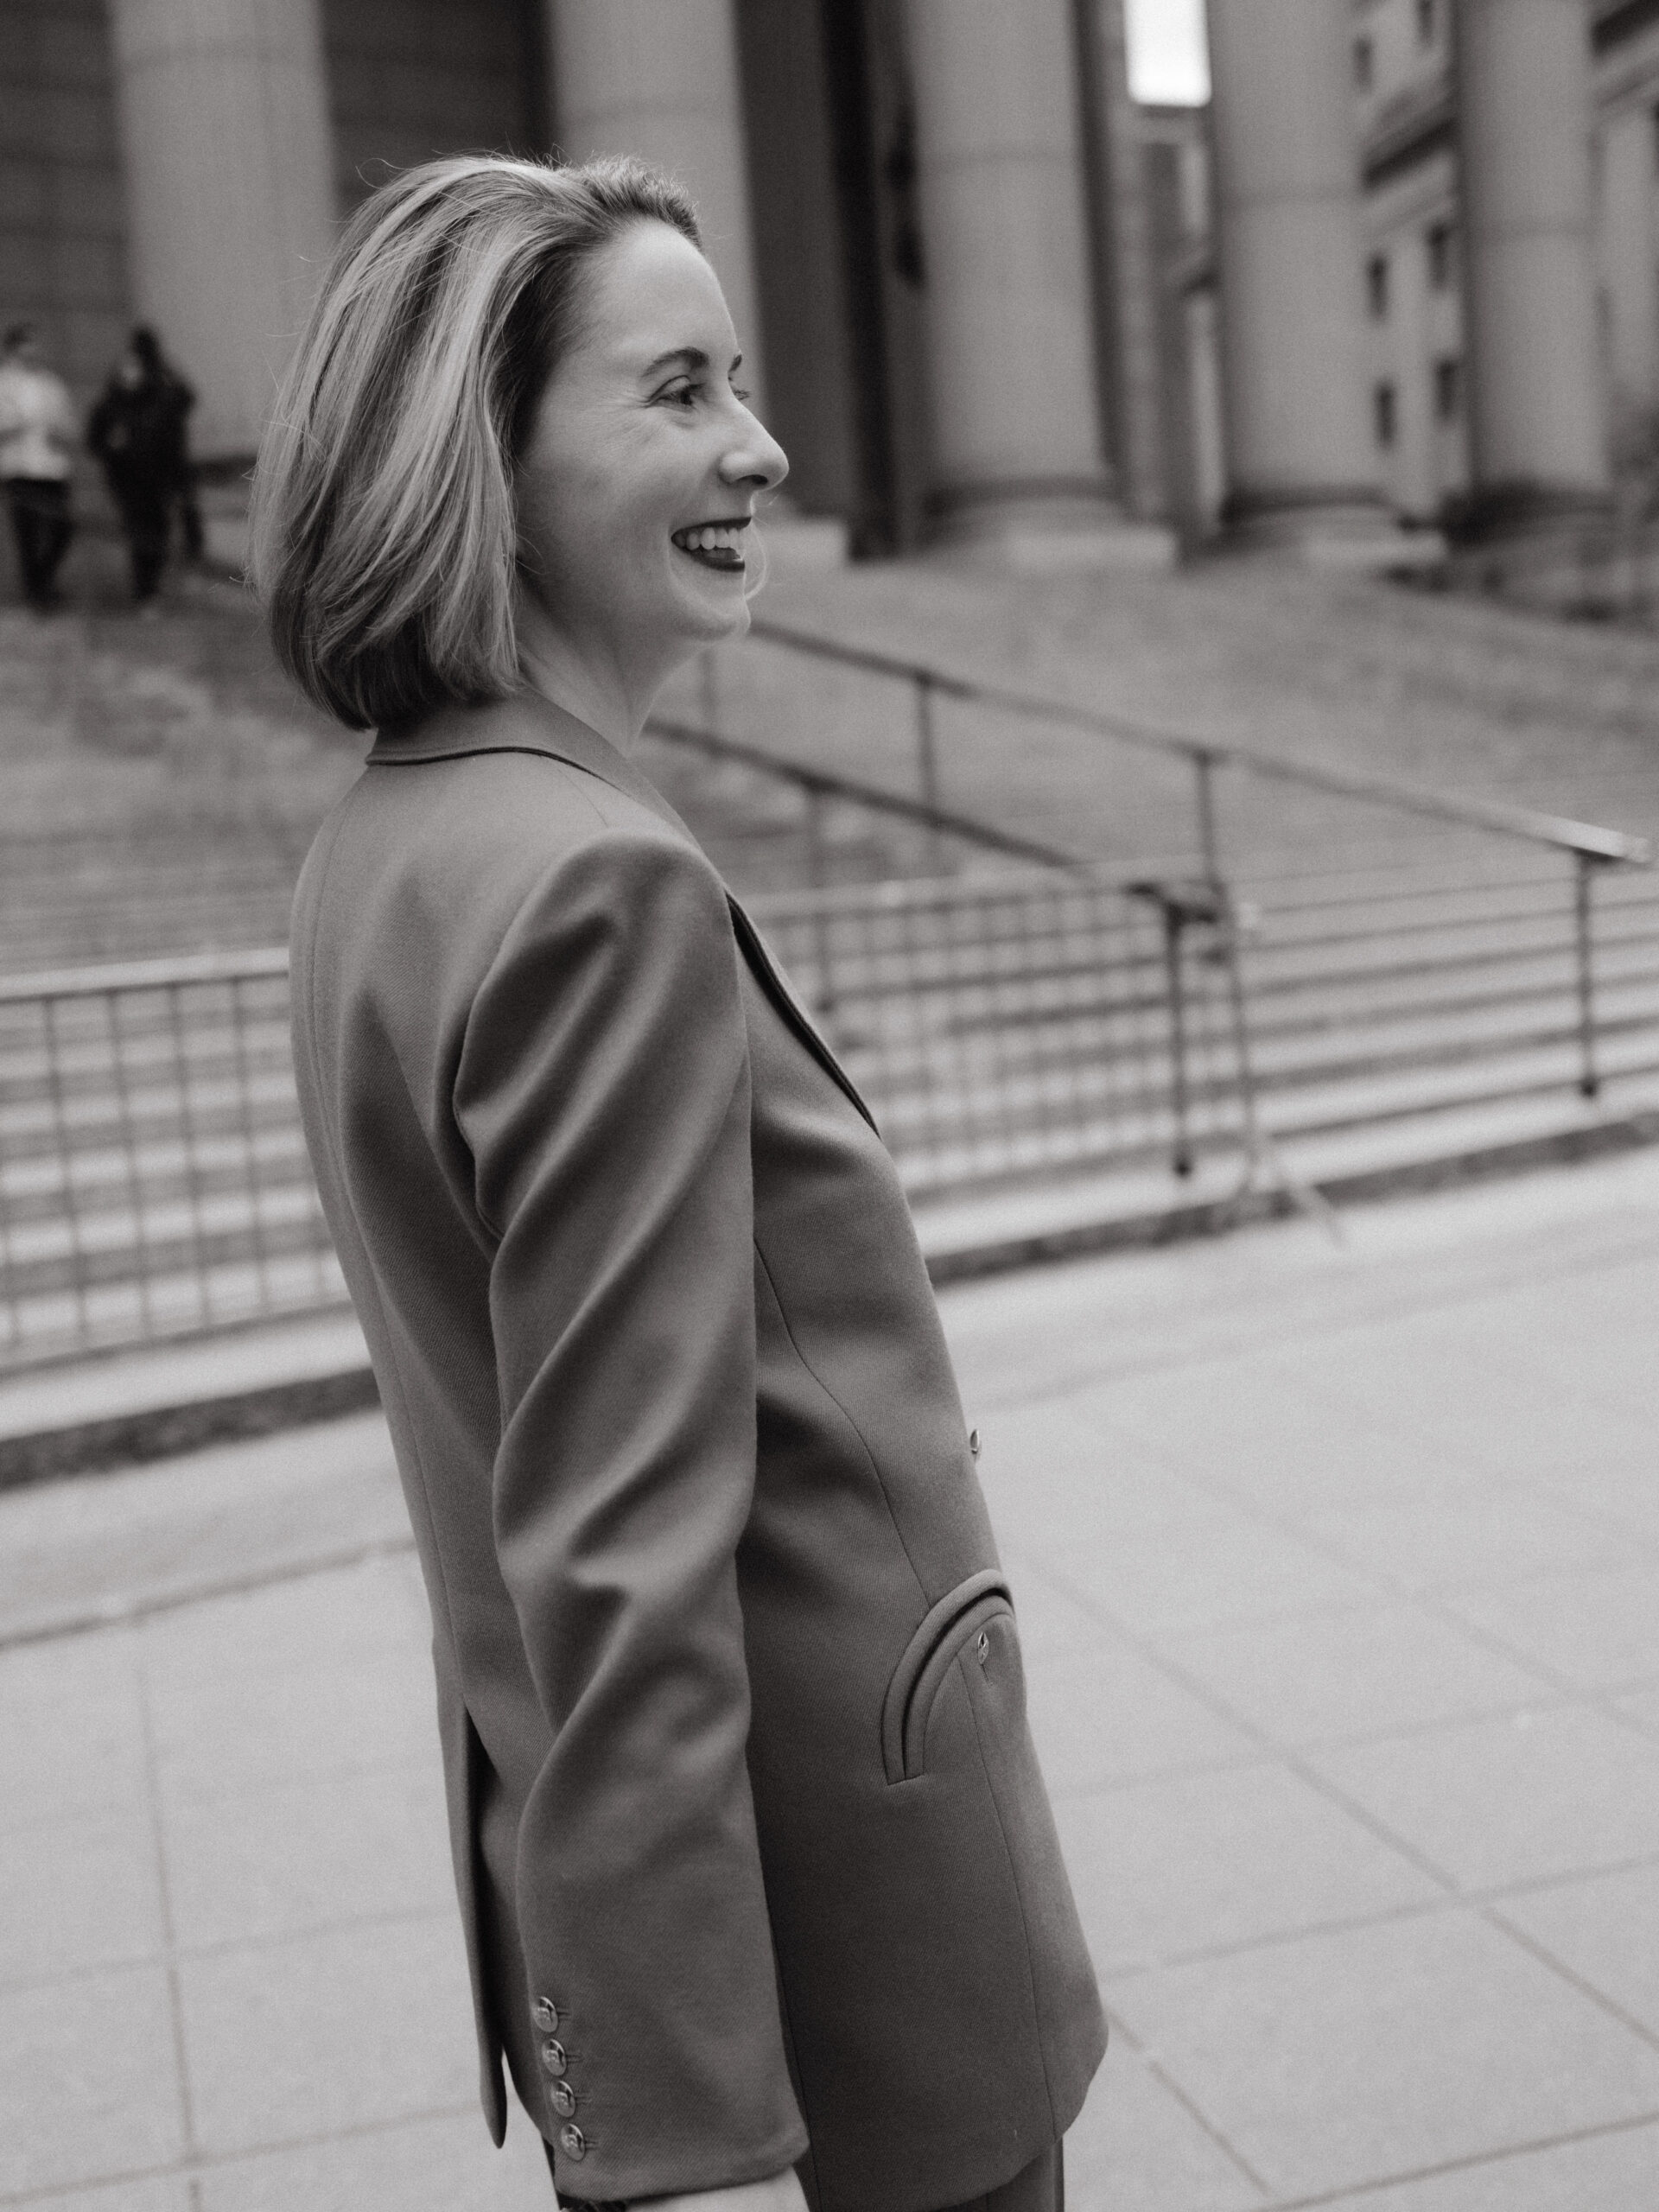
[683, 394]
[738, 392]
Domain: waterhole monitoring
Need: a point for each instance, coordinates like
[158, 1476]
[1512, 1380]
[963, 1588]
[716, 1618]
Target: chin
[724, 614]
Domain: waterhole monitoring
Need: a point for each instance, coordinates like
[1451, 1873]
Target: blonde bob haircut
[384, 535]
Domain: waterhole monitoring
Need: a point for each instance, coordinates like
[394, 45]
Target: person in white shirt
[37, 428]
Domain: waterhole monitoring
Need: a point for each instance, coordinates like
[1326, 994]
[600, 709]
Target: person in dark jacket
[137, 429]
[763, 1901]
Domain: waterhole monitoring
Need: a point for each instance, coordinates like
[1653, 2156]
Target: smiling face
[638, 477]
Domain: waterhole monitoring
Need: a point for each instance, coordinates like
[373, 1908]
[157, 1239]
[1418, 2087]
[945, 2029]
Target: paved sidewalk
[1337, 1570]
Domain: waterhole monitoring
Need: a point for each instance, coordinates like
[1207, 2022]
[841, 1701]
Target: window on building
[1383, 413]
[1448, 388]
[1364, 64]
[1376, 286]
[1427, 21]
[1440, 242]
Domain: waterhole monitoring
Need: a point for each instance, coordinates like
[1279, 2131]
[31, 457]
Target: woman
[758, 1879]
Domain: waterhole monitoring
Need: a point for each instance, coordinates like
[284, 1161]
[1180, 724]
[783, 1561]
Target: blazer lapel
[754, 948]
[527, 722]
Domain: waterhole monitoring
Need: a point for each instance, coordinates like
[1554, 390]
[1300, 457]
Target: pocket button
[982, 1646]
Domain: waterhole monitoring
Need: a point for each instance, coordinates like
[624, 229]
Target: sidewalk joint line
[169, 1940]
[172, 1601]
[1155, 2065]
[1471, 2164]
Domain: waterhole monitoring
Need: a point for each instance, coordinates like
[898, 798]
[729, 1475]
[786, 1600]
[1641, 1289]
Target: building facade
[1404, 267]
[1580, 87]
[912, 204]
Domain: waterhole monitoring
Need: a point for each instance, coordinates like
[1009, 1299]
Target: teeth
[709, 537]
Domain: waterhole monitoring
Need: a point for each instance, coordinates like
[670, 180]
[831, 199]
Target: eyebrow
[686, 356]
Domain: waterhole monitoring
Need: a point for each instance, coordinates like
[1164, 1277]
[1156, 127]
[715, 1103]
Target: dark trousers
[146, 508]
[1040, 2187]
[41, 523]
[190, 535]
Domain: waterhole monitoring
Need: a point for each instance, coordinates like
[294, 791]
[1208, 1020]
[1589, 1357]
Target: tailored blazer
[755, 1863]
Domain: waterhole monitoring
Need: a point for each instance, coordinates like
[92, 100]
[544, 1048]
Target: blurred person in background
[37, 428]
[763, 1897]
[138, 432]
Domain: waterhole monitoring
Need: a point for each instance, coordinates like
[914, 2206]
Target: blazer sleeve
[603, 1092]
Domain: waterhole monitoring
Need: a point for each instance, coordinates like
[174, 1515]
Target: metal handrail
[96, 980]
[1560, 832]
[828, 785]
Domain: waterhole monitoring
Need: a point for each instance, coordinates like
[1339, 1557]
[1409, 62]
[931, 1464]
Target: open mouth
[714, 544]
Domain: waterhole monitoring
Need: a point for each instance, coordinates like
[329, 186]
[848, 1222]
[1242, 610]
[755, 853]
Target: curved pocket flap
[927, 1657]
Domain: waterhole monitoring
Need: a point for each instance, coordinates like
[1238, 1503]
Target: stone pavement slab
[1601, 1928]
[1332, 2062]
[107, 1548]
[1515, 1797]
[1336, 1569]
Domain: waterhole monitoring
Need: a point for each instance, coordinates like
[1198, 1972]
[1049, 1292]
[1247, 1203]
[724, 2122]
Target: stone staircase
[1411, 991]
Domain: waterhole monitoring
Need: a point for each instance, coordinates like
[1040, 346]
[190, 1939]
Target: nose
[754, 457]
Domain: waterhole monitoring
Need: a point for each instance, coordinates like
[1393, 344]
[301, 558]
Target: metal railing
[1587, 847]
[1036, 1022]
[153, 1180]
[1021, 1013]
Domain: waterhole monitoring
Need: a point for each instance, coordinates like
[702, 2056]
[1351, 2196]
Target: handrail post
[1174, 927]
[927, 763]
[817, 869]
[1204, 767]
[1589, 1076]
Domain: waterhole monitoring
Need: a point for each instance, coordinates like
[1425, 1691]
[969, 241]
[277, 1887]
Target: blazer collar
[525, 722]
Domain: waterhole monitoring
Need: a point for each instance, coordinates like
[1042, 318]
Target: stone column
[659, 79]
[1302, 466]
[230, 192]
[1629, 267]
[1538, 441]
[1016, 458]
[1131, 280]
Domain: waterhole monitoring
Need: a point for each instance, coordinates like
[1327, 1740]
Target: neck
[590, 680]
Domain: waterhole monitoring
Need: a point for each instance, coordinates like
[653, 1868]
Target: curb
[1362, 1186]
[162, 1431]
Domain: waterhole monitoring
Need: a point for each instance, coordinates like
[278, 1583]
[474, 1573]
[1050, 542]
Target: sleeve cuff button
[545, 2014]
[572, 2141]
